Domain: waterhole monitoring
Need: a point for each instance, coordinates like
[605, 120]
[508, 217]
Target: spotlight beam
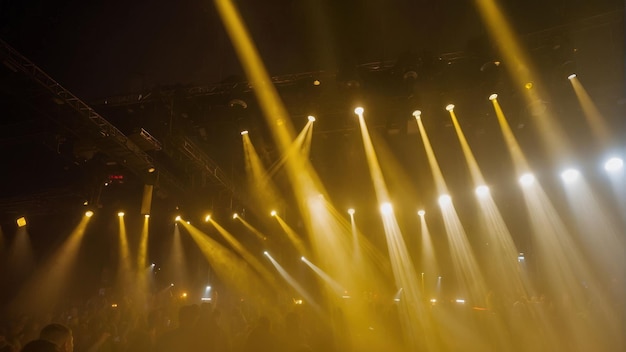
[293, 282]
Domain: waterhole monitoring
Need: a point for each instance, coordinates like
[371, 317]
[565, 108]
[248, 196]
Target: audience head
[40, 345]
[58, 334]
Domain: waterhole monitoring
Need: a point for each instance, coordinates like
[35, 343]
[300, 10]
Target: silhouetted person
[261, 338]
[184, 337]
[40, 345]
[60, 335]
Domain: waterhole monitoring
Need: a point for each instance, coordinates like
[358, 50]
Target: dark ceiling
[168, 69]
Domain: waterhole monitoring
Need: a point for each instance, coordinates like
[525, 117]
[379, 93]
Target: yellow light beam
[229, 267]
[440, 183]
[339, 290]
[594, 117]
[293, 237]
[476, 174]
[52, 277]
[124, 266]
[252, 229]
[293, 283]
[519, 160]
[523, 74]
[247, 256]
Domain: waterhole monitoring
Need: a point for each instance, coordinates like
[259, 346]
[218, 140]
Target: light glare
[235, 215]
[527, 179]
[21, 222]
[572, 76]
[482, 190]
[359, 111]
[244, 132]
[273, 213]
[444, 199]
[386, 208]
[417, 114]
[450, 107]
[493, 96]
[614, 164]
[421, 212]
[311, 118]
[178, 218]
[120, 214]
[351, 211]
[570, 175]
[89, 213]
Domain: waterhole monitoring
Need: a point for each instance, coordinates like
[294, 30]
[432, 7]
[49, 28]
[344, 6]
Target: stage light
[445, 199]
[421, 212]
[21, 222]
[311, 118]
[151, 169]
[386, 208]
[172, 284]
[316, 82]
[207, 218]
[482, 191]
[570, 175]
[89, 213]
[417, 114]
[235, 215]
[184, 295]
[153, 265]
[614, 164]
[273, 213]
[493, 96]
[178, 218]
[266, 253]
[351, 211]
[86, 203]
[359, 111]
[572, 76]
[460, 301]
[527, 179]
[208, 288]
[188, 222]
[528, 85]
[120, 214]
[303, 258]
[450, 107]
[244, 132]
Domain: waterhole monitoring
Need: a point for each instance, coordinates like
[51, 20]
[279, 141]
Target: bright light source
[86, 203]
[120, 214]
[21, 222]
[273, 213]
[208, 288]
[359, 111]
[207, 218]
[386, 208]
[153, 265]
[89, 213]
[178, 218]
[184, 295]
[614, 164]
[172, 284]
[570, 175]
[266, 253]
[527, 179]
[458, 300]
[351, 211]
[151, 169]
[316, 82]
[520, 257]
[445, 199]
[311, 118]
[417, 114]
[493, 96]
[303, 259]
[450, 107]
[113, 305]
[421, 212]
[432, 300]
[235, 215]
[297, 301]
[528, 85]
[482, 191]
[572, 76]
[188, 222]
[244, 132]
